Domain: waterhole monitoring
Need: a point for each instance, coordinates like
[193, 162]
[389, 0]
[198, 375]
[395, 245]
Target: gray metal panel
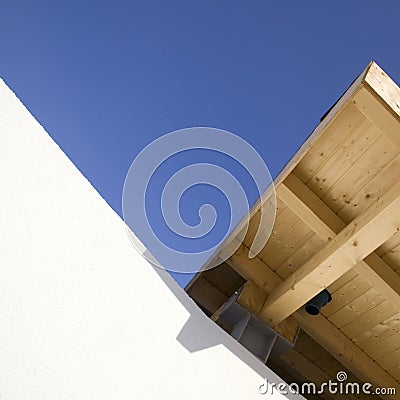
[260, 339]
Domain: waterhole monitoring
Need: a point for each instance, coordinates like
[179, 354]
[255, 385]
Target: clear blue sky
[105, 78]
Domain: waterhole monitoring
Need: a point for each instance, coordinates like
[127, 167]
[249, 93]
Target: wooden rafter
[379, 100]
[375, 111]
[254, 269]
[356, 241]
[325, 223]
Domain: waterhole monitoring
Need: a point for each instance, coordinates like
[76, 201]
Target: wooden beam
[325, 223]
[310, 208]
[359, 239]
[305, 213]
[385, 118]
[384, 87]
[344, 350]
[379, 100]
[252, 298]
[253, 269]
[381, 277]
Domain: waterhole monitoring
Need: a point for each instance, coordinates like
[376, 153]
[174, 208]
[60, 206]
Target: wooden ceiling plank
[345, 295]
[311, 244]
[354, 149]
[379, 177]
[395, 372]
[343, 280]
[287, 221]
[389, 360]
[342, 348]
[370, 164]
[326, 146]
[387, 346]
[278, 251]
[369, 319]
[255, 221]
[379, 332]
[357, 307]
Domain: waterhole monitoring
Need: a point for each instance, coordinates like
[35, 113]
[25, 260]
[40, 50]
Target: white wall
[82, 315]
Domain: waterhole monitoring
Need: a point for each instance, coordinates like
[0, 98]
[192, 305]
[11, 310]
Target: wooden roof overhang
[337, 226]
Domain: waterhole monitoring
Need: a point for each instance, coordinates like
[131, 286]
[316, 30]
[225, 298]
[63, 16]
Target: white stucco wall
[82, 315]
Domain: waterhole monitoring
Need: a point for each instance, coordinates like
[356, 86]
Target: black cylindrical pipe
[314, 306]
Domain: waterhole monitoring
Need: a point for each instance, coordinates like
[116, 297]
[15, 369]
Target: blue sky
[107, 78]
